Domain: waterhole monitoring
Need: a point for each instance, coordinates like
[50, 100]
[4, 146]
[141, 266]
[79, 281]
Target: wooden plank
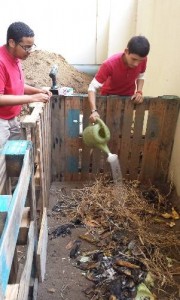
[46, 142]
[42, 155]
[115, 105]
[30, 120]
[85, 154]
[11, 292]
[137, 140]
[3, 173]
[125, 150]
[26, 274]
[47, 145]
[115, 109]
[152, 138]
[170, 116]
[24, 227]
[41, 166]
[42, 247]
[12, 224]
[58, 138]
[72, 117]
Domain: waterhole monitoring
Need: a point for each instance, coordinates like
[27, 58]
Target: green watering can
[97, 135]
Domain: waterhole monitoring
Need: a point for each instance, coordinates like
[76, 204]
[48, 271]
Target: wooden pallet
[141, 135]
[18, 220]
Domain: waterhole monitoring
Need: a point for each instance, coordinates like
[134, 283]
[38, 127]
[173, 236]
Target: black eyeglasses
[27, 48]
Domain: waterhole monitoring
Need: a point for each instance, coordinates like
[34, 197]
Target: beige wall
[122, 24]
[159, 20]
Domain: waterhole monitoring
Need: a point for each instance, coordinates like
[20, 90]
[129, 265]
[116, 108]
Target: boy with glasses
[13, 90]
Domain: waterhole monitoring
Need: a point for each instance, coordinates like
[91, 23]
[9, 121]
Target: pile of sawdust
[38, 65]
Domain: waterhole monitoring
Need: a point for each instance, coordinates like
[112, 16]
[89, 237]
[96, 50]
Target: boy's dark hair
[18, 30]
[139, 45]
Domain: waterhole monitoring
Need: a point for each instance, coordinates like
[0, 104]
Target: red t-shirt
[11, 82]
[117, 78]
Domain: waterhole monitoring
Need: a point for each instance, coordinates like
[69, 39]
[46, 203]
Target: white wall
[67, 27]
[122, 24]
[82, 31]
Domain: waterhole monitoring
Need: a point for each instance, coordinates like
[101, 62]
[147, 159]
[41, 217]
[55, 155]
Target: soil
[38, 65]
[62, 279]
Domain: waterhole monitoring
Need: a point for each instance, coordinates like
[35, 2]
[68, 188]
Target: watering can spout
[104, 148]
[97, 135]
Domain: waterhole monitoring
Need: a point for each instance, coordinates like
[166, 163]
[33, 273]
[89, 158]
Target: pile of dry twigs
[138, 223]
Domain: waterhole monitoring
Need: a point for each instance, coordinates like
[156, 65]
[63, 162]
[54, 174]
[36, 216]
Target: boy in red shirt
[13, 90]
[121, 74]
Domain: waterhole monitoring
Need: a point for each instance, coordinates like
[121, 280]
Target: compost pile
[134, 234]
[38, 65]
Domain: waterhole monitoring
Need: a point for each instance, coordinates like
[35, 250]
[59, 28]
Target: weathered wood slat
[12, 292]
[30, 120]
[48, 147]
[152, 140]
[24, 227]
[3, 173]
[169, 122]
[43, 198]
[137, 140]
[86, 151]
[58, 138]
[126, 137]
[115, 107]
[42, 247]
[72, 117]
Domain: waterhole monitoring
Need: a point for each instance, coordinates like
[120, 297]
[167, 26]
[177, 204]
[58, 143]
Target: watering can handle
[98, 121]
[101, 122]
